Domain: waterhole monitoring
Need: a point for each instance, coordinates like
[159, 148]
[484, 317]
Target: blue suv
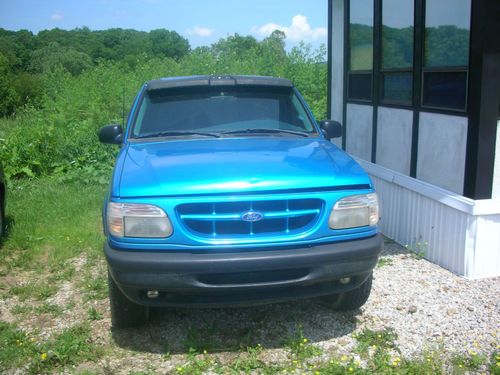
[227, 192]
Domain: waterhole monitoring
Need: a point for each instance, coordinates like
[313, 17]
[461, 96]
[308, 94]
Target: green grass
[38, 291]
[50, 222]
[94, 314]
[70, 347]
[199, 341]
[49, 308]
[21, 309]
[300, 347]
[95, 288]
[384, 261]
[418, 250]
[494, 366]
[470, 362]
[376, 340]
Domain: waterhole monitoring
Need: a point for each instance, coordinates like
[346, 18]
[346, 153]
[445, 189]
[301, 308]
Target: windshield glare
[220, 110]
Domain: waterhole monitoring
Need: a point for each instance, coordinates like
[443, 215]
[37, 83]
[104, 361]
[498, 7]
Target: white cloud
[56, 16]
[299, 30]
[200, 31]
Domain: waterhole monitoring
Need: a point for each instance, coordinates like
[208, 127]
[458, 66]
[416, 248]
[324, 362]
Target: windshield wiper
[260, 131]
[173, 133]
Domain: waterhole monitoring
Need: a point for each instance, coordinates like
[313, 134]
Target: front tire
[124, 312]
[350, 300]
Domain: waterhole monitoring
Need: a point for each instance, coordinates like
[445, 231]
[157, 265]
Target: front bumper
[247, 277]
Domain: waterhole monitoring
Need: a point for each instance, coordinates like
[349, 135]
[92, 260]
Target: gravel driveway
[427, 306]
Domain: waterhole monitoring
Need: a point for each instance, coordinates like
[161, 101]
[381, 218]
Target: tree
[47, 58]
[168, 43]
[8, 95]
[234, 45]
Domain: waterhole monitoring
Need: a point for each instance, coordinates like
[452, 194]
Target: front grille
[225, 219]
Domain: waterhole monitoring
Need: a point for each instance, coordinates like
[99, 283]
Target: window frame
[445, 69]
[417, 70]
[348, 71]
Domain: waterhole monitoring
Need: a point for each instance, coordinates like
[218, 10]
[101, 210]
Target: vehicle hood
[235, 165]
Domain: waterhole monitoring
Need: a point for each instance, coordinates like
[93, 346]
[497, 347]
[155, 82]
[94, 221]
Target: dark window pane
[397, 33]
[445, 89]
[447, 25]
[360, 86]
[361, 34]
[218, 109]
[397, 87]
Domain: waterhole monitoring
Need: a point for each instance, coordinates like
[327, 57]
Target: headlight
[354, 211]
[137, 220]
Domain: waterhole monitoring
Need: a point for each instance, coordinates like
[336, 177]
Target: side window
[361, 50]
[396, 71]
[300, 117]
[446, 56]
[140, 116]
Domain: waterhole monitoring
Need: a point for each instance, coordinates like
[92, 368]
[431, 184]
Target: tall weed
[59, 137]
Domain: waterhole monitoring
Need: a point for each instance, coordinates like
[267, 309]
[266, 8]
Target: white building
[416, 85]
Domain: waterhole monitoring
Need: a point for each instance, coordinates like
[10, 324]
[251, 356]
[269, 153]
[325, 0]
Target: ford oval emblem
[252, 216]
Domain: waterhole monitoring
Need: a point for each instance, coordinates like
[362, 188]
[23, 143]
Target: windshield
[223, 111]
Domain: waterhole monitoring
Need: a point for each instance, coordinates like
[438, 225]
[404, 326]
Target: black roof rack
[192, 81]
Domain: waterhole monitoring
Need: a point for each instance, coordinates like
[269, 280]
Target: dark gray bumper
[242, 278]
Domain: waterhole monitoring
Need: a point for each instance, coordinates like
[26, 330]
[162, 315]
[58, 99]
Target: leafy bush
[58, 136]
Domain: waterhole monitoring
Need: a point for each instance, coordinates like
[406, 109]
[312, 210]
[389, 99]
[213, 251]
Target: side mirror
[331, 129]
[111, 134]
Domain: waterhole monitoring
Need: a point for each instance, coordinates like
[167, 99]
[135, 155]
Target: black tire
[124, 312]
[350, 300]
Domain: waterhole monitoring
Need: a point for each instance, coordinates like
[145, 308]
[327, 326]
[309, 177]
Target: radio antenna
[123, 107]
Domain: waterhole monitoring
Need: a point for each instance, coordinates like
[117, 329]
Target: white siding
[394, 130]
[442, 142]
[359, 130]
[457, 233]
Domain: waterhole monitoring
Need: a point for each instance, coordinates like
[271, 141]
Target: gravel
[427, 306]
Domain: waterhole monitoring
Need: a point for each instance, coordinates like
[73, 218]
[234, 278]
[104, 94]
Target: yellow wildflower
[305, 341]
[343, 358]
[351, 369]
[43, 356]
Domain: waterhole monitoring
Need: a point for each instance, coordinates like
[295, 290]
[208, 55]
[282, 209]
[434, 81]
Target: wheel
[350, 300]
[124, 312]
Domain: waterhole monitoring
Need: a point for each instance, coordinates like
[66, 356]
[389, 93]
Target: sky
[202, 22]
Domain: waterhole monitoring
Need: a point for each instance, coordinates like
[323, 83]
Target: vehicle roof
[225, 80]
